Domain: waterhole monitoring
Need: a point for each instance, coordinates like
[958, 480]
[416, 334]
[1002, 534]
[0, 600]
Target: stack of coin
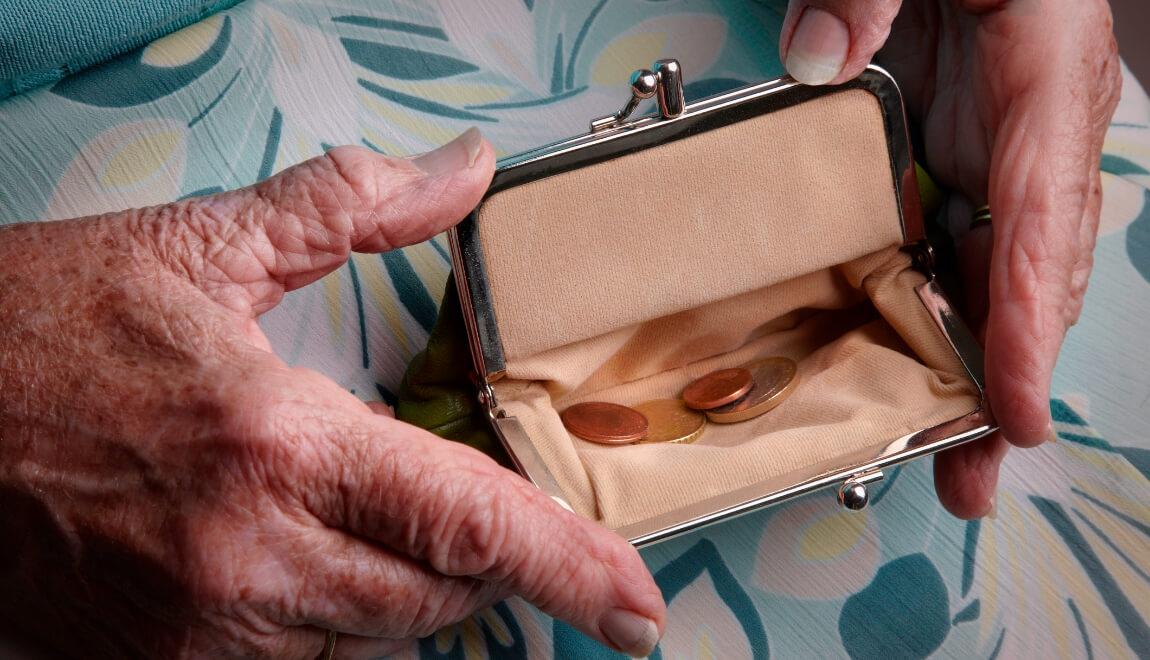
[725, 396]
[775, 379]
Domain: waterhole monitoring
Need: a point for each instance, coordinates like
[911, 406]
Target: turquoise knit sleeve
[41, 42]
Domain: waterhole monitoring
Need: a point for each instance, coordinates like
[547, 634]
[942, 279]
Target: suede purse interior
[777, 235]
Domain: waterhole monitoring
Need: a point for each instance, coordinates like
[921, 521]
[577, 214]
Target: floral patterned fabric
[1064, 569]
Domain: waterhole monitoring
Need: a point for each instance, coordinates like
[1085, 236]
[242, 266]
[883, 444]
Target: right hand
[169, 487]
[1013, 99]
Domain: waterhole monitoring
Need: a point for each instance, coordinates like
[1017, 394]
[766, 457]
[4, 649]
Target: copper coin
[718, 388]
[605, 423]
[775, 379]
[670, 420]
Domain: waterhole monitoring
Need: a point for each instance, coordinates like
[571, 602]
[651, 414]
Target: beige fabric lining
[728, 211]
[778, 235]
[861, 387]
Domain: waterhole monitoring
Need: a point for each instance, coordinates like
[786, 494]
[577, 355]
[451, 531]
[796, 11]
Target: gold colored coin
[669, 420]
[605, 423]
[775, 379]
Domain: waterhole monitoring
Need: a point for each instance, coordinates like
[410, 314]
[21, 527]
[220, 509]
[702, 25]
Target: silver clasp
[665, 83]
[853, 494]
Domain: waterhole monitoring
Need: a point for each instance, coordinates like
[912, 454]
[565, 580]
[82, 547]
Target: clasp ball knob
[854, 496]
[644, 83]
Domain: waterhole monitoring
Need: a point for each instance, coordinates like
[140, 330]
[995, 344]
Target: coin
[669, 420]
[718, 388]
[605, 423]
[775, 379]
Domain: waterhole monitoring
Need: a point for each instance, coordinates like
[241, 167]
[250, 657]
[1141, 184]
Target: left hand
[1013, 98]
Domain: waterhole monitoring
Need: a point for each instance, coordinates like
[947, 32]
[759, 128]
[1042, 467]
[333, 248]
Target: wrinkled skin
[1013, 98]
[170, 488]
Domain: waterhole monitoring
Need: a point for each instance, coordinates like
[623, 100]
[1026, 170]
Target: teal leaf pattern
[557, 67]
[1138, 239]
[579, 39]
[385, 394]
[968, 613]
[397, 26]
[969, 553]
[357, 289]
[701, 89]
[210, 190]
[1081, 628]
[271, 145]
[214, 102]
[704, 557]
[127, 81]
[371, 145]
[421, 105]
[1124, 517]
[529, 88]
[1138, 570]
[902, 613]
[998, 645]
[404, 63]
[1129, 621]
[1138, 457]
[887, 485]
[410, 288]
[1120, 166]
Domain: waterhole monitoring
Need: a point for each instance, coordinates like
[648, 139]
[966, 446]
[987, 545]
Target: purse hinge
[486, 397]
[922, 255]
[488, 401]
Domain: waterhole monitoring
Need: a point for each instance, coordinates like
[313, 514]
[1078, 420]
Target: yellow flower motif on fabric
[832, 536]
[134, 164]
[185, 46]
[835, 551]
[140, 158]
[470, 633]
[618, 59]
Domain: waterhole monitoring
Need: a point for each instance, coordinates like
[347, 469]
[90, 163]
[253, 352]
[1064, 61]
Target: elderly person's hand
[169, 487]
[1013, 98]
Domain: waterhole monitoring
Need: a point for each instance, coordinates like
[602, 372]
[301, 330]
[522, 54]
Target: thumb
[246, 247]
[832, 41]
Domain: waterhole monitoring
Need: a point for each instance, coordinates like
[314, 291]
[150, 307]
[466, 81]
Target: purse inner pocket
[872, 366]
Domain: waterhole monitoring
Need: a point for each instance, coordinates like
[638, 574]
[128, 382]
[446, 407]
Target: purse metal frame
[620, 137]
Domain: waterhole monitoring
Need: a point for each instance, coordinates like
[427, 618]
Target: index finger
[455, 509]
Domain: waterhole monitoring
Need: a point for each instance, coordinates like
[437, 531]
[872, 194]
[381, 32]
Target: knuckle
[475, 528]
[354, 170]
[429, 612]
[1022, 272]
[198, 238]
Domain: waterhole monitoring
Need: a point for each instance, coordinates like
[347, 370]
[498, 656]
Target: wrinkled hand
[168, 487]
[1013, 98]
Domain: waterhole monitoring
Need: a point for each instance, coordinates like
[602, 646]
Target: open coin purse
[774, 220]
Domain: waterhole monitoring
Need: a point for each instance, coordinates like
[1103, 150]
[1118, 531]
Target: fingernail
[1051, 434]
[818, 48]
[460, 153]
[631, 633]
[992, 510]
